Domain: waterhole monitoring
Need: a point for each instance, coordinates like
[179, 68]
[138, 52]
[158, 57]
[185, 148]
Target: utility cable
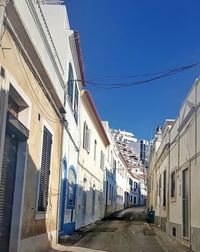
[160, 75]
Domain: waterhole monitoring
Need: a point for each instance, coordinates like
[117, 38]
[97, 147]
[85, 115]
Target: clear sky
[132, 37]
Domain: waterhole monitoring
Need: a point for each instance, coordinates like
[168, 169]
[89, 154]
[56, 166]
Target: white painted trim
[21, 168]
[4, 85]
[22, 95]
[44, 215]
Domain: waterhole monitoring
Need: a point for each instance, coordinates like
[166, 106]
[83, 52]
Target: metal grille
[45, 171]
[7, 186]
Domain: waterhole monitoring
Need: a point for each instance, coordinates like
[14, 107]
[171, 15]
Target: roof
[93, 107]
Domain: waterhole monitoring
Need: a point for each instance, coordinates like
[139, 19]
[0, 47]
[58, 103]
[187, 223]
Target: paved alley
[124, 235]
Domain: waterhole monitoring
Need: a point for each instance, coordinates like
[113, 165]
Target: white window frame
[102, 160]
[86, 137]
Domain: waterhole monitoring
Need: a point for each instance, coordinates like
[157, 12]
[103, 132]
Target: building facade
[31, 111]
[135, 172]
[60, 166]
[91, 164]
[173, 175]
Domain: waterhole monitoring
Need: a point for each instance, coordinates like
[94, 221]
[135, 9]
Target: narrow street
[123, 232]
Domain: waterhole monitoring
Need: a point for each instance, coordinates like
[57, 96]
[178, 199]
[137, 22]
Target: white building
[135, 172]
[173, 179]
[91, 164]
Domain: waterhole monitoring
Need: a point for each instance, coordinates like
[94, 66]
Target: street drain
[105, 229]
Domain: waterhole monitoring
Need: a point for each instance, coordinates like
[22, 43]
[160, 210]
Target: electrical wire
[160, 75]
[117, 77]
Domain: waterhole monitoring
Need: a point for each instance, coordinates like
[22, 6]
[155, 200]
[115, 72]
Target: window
[13, 108]
[111, 158]
[72, 91]
[71, 189]
[114, 164]
[70, 87]
[135, 186]
[2, 72]
[45, 171]
[164, 188]
[95, 149]
[110, 192]
[76, 104]
[173, 183]
[102, 161]
[86, 137]
[160, 179]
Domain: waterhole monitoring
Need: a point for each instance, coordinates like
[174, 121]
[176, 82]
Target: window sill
[41, 216]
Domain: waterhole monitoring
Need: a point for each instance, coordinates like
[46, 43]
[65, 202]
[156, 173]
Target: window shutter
[84, 135]
[88, 139]
[76, 103]
[45, 171]
[102, 160]
[70, 86]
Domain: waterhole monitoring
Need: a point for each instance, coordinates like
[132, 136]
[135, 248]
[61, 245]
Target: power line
[158, 75]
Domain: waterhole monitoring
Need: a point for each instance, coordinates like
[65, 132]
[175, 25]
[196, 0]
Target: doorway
[84, 200]
[7, 186]
[185, 200]
[93, 202]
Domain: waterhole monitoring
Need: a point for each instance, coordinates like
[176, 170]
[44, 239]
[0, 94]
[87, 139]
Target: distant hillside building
[132, 150]
[140, 147]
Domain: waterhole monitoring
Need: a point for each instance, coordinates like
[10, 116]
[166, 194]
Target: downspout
[3, 4]
[60, 181]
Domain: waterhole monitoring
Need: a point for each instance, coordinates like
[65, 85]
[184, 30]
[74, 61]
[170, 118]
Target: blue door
[63, 195]
[68, 201]
[84, 196]
[93, 203]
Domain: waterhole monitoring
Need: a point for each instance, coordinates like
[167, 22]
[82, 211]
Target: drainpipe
[3, 4]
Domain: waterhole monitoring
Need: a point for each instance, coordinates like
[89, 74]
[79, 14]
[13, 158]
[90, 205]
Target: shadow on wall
[16, 163]
[110, 193]
[34, 222]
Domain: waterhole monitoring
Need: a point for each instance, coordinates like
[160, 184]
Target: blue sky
[134, 37]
